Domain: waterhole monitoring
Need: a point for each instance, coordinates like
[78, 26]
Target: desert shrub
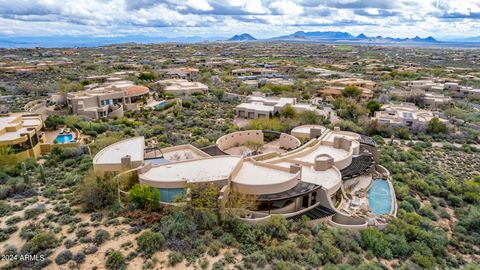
[229, 258]
[115, 261]
[405, 205]
[69, 243]
[50, 192]
[13, 220]
[214, 248]
[256, 258]
[174, 258]
[374, 240]
[33, 212]
[10, 229]
[100, 237]
[286, 250]
[39, 242]
[4, 236]
[29, 231]
[5, 208]
[79, 257]
[428, 212]
[285, 265]
[444, 214]
[63, 257]
[90, 249]
[82, 232]
[277, 227]
[96, 191]
[96, 217]
[148, 242]
[203, 264]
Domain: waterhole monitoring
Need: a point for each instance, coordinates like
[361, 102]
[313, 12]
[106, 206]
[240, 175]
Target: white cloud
[287, 7]
[226, 17]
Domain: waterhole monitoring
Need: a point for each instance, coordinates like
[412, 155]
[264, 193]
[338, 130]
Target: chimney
[294, 168]
[126, 162]
[323, 162]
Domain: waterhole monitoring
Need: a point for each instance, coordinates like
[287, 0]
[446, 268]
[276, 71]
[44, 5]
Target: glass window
[170, 194]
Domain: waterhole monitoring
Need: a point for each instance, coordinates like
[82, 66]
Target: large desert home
[405, 115]
[21, 134]
[333, 177]
[107, 100]
[182, 87]
[334, 88]
[258, 105]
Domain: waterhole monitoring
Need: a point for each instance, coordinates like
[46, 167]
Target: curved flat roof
[199, 170]
[336, 153]
[252, 174]
[113, 153]
[306, 128]
[327, 179]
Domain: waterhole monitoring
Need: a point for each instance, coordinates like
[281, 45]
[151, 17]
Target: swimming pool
[160, 105]
[380, 197]
[156, 161]
[64, 138]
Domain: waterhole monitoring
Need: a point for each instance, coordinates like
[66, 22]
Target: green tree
[144, 197]
[288, 111]
[351, 91]
[204, 196]
[146, 76]
[374, 106]
[435, 126]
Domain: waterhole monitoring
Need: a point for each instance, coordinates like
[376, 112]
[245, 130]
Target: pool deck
[52, 135]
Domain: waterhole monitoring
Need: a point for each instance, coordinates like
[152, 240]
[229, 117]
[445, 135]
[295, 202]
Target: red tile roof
[137, 90]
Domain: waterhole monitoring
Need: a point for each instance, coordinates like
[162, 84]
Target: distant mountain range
[332, 35]
[472, 39]
[242, 37]
[299, 36]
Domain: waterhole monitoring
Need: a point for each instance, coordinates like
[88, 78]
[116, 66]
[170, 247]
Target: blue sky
[261, 18]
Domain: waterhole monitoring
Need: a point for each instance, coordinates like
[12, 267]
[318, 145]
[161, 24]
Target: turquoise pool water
[380, 197]
[161, 105]
[64, 138]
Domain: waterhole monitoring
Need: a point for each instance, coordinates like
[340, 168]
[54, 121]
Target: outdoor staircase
[317, 212]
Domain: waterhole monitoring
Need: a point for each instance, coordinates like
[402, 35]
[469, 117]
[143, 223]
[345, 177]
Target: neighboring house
[256, 73]
[405, 115]
[182, 87]
[186, 73]
[358, 82]
[107, 100]
[436, 101]
[336, 91]
[21, 132]
[260, 106]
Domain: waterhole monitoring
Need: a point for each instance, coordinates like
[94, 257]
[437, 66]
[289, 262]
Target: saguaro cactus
[25, 173]
[42, 174]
